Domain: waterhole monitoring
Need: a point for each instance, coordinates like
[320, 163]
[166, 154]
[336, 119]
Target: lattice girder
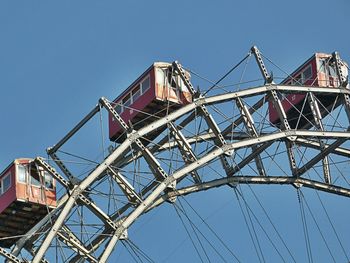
[239, 133]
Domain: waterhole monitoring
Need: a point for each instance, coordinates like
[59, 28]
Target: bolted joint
[49, 150]
[171, 194]
[297, 185]
[229, 153]
[291, 135]
[103, 101]
[169, 182]
[121, 232]
[75, 193]
[292, 138]
[171, 188]
[228, 149]
[199, 101]
[133, 136]
[232, 185]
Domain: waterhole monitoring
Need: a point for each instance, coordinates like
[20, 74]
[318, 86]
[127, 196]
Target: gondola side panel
[137, 107]
[8, 196]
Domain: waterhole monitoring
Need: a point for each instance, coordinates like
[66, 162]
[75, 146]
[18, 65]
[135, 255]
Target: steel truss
[224, 140]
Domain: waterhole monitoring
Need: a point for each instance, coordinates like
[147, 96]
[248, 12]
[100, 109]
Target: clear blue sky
[58, 57]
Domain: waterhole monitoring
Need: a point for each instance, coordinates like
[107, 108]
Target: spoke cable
[317, 225]
[247, 224]
[132, 253]
[305, 229]
[195, 230]
[250, 210]
[272, 224]
[141, 252]
[228, 73]
[211, 229]
[332, 225]
[200, 232]
[188, 233]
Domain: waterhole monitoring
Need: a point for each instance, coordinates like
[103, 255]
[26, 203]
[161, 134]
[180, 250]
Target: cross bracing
[229, 133]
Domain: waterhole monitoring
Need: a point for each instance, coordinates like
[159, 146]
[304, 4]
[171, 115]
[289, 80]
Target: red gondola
[319, 70]
[27, 194]
[157, 92]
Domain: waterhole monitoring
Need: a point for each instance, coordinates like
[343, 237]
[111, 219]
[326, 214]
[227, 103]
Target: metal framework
[223, 138]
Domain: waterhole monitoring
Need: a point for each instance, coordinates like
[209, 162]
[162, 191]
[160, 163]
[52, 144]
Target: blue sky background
[58, 57]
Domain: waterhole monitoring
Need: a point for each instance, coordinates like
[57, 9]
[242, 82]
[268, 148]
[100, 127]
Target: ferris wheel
[163, 140]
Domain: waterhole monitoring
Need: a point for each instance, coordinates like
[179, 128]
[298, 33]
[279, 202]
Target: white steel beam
[9, 256]
[277, 87]
[123, 148]
[346, 101]
[117, 153]
[153, 163]
[253, 155]
[64, 169]
[74, 243]
[268, 78]
[52, 171]
[125, 186]
[240, 136]
[285, 126]
[343, 79]
[74, 130]
[75, 193]
[315, 109]
[316, 145]
[251, 130]
[235, 180]
[321, 156]
[90, 204]
[182, 172]
[269, 140]
[219, 140]
[184, 148]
